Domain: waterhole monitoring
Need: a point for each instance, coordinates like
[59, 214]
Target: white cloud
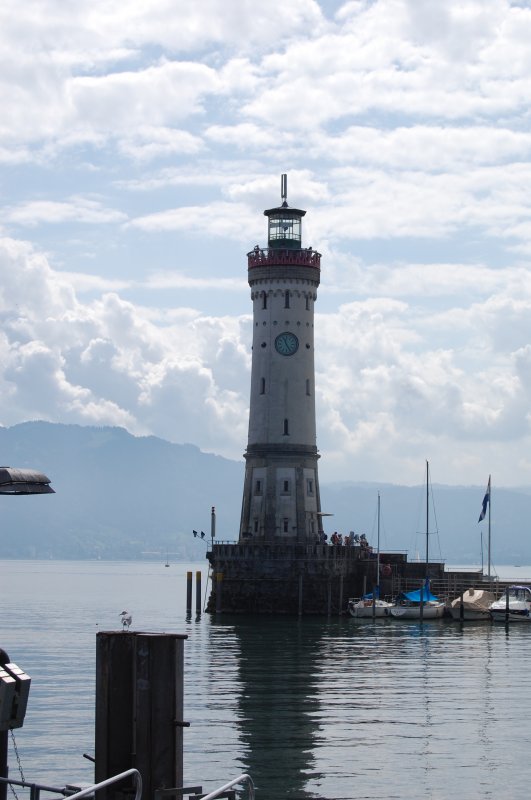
[219, 219]
[76, 209]
[149, 142]
[152, 136]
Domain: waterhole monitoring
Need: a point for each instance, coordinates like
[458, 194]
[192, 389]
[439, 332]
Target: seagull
[126, 620]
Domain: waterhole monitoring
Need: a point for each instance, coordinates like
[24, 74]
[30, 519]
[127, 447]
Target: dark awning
[23, 481]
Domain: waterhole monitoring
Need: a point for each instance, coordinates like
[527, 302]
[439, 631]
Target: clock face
[286, 344]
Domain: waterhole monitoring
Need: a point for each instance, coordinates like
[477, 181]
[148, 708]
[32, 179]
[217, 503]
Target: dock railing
[196, 792]
[71, 791]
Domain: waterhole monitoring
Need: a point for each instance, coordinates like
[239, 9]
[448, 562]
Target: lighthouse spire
[284, 189]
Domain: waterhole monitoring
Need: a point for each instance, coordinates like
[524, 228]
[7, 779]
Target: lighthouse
[281, 499]
[281, 562]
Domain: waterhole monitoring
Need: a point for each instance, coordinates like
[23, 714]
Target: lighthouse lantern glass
[284, 231]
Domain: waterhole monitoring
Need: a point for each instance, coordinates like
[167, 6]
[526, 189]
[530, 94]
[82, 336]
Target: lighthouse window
[286, 300]
[286, 428]
[262, 385]
[286, 487]
[309, 486]
[284, 228]
[258, 487]
[256, 526]
[264, 301]
[307, 304]
[286, 525]
[308, 386]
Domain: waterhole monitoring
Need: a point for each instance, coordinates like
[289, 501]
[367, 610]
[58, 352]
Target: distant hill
[120, 496]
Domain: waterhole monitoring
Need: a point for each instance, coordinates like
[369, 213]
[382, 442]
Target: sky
[140, 143]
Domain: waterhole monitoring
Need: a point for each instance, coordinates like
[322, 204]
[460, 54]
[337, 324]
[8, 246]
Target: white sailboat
[370, 605]
[420, 604]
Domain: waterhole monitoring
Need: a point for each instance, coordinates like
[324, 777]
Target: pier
[318, 579]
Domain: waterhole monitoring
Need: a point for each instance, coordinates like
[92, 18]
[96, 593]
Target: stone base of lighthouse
[281, 501]
[282, 578]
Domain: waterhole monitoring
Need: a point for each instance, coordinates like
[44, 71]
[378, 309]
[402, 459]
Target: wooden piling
[198, 592]
[188, 593]
[139, 710]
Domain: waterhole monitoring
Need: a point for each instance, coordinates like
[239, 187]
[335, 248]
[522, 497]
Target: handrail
[240, 779]
[108, 781]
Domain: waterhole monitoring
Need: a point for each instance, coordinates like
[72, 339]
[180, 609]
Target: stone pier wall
[287, 578]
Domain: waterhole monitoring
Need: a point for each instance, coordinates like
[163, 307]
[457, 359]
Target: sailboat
[421, 603]
[473, 605]
[370, 604]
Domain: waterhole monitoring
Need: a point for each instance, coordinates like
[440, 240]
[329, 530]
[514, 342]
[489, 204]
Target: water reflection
[278, 703]
[341, 710]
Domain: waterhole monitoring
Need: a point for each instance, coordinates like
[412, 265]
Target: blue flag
[486, 501]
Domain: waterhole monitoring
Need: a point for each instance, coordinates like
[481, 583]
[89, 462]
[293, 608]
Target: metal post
[198, 592]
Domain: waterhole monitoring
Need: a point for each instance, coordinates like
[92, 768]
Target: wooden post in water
[300, 594]
[329, 597]
[198, 592]
[340, 610]
[188, 593]
[139, 710]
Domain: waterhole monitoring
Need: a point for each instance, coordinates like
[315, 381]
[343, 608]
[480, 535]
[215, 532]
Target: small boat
[419, 604]
[513, 606]
[475, 605]
[368, 607]
[370, 604]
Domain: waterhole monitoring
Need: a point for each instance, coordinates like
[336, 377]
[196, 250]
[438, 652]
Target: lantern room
[285, 223]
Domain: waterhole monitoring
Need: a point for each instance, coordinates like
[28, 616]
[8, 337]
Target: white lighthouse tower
[281, 493]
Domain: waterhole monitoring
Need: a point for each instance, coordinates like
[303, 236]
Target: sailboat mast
[427, 515]
[378, 549]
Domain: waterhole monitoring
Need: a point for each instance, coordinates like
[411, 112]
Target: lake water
[310, 708]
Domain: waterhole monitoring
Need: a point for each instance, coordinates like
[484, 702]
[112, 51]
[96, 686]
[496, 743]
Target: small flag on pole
[486, 501]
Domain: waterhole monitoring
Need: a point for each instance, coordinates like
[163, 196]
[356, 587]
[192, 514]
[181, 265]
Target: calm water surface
[310, 708]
